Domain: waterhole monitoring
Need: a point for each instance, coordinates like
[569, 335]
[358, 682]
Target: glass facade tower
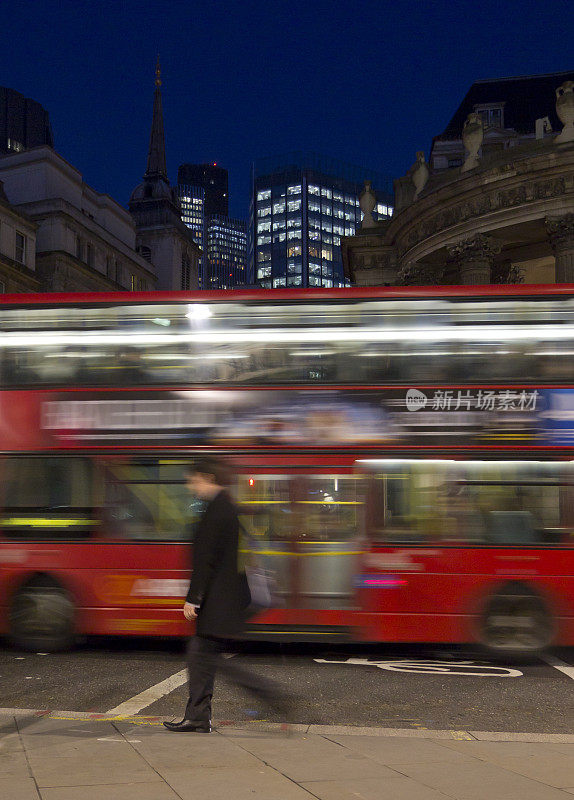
[226, 252]
[302, 204]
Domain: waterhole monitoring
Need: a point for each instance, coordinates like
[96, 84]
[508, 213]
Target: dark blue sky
[367, 82]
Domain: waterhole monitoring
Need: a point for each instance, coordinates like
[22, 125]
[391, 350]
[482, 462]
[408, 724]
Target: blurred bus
[404, 460]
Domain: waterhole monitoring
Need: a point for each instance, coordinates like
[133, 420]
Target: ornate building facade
[501, 211]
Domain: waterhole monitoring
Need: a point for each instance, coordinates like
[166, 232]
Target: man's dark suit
[221, 592]
[217, 586]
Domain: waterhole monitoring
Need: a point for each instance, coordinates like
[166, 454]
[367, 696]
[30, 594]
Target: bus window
[149, 501]
[47, 497]
[333, 508]
[265, 509]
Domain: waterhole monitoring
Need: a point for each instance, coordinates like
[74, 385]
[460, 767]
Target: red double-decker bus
[403, 456]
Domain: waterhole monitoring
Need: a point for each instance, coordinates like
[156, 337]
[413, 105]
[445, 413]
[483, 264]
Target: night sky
[365, 82]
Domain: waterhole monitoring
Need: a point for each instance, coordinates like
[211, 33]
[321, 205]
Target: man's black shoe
[188, 726]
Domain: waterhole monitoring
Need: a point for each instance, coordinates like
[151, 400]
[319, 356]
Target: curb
[230, 727]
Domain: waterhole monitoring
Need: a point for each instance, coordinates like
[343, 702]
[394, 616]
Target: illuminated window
[264, 212]
[326, 209]
[314, 268]
[264, 272]
[313, 205]
[336, 240]
[279, 208]
[327, 253]
[263, 240]
[327, 283]
[279, 237]
[279, 282]
[263, 226]
[265, 194]
[338, 197]
[278, 224]
[314, 235]
[263, 255]
[294, 234]
[294, 250]
[15, 146]
[326, 192]
[294, 223]
[294, 189]
[293, 205]
[294, 280]
[313, 189]
[314, 281]
[339, 213]
[294, 267]
[313, 251]
[327, 225]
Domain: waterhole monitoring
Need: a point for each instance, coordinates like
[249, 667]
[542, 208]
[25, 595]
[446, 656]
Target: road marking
[562, 666]
[149, 696]
[427, 667]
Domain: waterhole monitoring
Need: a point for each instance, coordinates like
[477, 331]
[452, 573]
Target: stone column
[561, 234]
[473, 258]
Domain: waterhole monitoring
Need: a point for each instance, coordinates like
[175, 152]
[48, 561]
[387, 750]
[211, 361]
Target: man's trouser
[204, 660]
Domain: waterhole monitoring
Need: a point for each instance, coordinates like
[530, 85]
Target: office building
[24, 123]
[226, 252]
[214, 182]
[203, 195]
[302, 204]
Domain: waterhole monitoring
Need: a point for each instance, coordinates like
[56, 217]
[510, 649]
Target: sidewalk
[75, 757]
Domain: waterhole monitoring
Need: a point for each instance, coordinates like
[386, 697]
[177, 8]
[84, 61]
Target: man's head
[206, 477]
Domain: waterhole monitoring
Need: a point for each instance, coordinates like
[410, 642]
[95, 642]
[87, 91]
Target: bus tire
[42, 617]
[515, 622]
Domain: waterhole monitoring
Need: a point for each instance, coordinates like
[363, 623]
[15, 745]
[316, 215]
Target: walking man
[218, 598]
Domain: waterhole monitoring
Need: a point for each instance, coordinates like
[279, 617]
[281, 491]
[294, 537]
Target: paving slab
[542, 761]
[18, 788]
[262, 783]
[166, 751]
[308, 758]
[150, 790]
[399, 788]
[390, 751]
[80, 753]
[478, 781]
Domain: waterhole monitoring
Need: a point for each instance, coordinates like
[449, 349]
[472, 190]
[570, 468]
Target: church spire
[156, 166]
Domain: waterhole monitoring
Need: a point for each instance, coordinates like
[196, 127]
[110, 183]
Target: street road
[425, 687]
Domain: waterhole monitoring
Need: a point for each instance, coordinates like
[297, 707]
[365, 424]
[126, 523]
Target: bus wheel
[516, 622]
[42, 618]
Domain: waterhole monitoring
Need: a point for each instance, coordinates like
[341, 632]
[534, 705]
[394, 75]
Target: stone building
[494, 205]
[162, 237]
[84, 240]
[17, 249]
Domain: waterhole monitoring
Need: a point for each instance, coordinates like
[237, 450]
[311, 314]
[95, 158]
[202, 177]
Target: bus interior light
[197, 312]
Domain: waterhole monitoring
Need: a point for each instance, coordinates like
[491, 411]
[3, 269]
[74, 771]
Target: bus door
[310, 530]
[141, 575]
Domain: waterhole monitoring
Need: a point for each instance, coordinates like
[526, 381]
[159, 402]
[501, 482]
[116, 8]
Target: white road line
[149, 696]
[562, 666]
